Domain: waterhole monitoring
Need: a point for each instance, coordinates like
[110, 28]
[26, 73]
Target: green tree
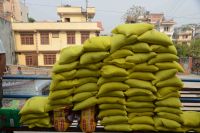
[132, 14]
[183, 50]
[195, 48]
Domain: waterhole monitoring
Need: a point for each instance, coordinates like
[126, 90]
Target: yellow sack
[118, 54]
[60, 94]
[164, 49]
[83, 81]
[110, 120]
[103, 80]
[100, 43]
[112, 106]
[109, 100]
[70, 54]
[42, 121]
[171, 116]
[164, 74]
[111, 112]
[39, 125]
[112, 71]
[149, 98]
[133, 104]
[163, 57]
[81, 73]
[142, 127]
[34, 105]
[169, 102]
[139, 47]
[57, 68]
[173, 110]
[141, 120]
[170, 65]
[139, 110]
[119, 40]
[191, 119]
[64, 75]
[140, 57]
[166, 90]
[121, 62]
[113, 94]
[61, 101]
[155, 37]
[132, 29]
[85, 104]
[172, 94]
[174, 81]
[92, 57]
[136, 83]
[112, 86]
[162, 122]
[133, 92]
[83, 96]
[134, 114]
[94, 66]
[118, 127]
[88, 87]
[32, 116]
[142, 76]
[61, 85]
[144, 67]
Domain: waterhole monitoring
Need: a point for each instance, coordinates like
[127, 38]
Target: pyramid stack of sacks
[167, 83]
[191, 121]
[63, 78]
[34, 115]
[141, 94]
[95, 50]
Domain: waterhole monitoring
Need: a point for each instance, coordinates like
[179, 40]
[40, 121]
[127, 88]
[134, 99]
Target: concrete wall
[6, 37]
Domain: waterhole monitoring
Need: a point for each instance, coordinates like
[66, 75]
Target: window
[166, 28]
[84, 36]
[27, 38]
[29, 60]
[67, 19]
[55, 34]
[49, 59]
[185, 36]
[71, 37]
[44, 38]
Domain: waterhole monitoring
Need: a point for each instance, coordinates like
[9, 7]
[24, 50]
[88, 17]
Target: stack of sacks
[95, 50]
[168, 103]
[111, 100]
[191, 121]
[140, 95]
[63, 78]
[34, 113]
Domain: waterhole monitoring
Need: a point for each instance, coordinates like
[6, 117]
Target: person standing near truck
[2, 69]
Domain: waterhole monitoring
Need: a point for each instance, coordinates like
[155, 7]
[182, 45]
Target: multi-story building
[162, 24]
[183, 35]
[13, 10]
[39, 43]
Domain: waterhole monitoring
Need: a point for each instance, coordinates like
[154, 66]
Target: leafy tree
[132, 14]
[31, 20]
[195, 48]
[183, 50]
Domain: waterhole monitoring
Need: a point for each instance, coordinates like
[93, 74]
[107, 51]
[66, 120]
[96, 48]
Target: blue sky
[110, 12]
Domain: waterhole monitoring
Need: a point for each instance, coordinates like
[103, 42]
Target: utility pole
[86, 10]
